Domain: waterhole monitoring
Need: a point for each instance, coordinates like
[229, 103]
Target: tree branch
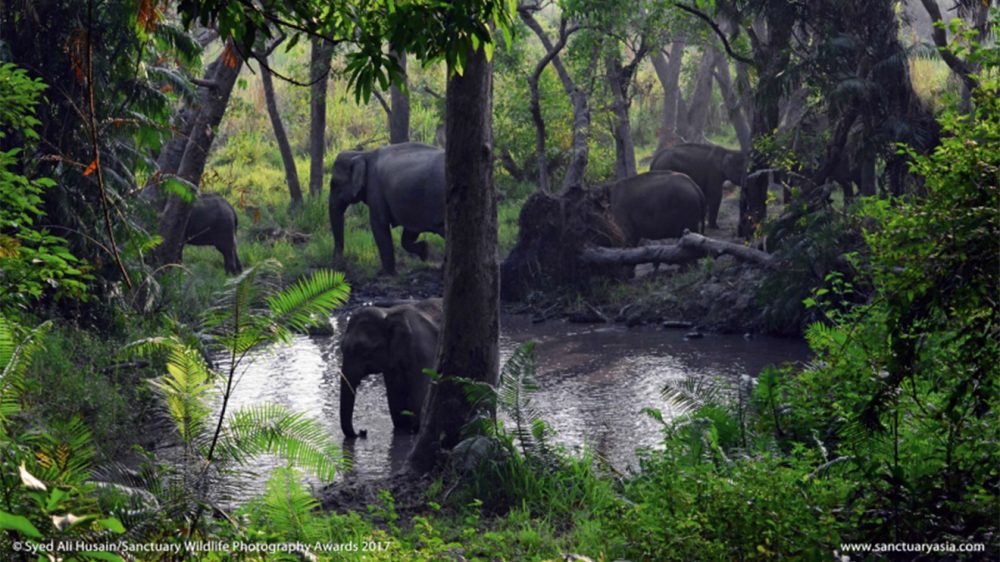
[718, 31]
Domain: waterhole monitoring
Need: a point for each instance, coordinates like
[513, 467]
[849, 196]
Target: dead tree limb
[690, 248]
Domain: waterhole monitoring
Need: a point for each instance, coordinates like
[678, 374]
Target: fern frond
[15, 356]
[64, 453]
[184, 389]
[299, 306]
[687, 395]
[517, 384]
[274, 429]
[287, 504]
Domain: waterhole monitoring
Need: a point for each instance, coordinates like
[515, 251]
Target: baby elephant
[399, 342]
[213, 223]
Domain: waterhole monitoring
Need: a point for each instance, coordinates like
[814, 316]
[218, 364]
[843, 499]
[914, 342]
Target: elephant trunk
[347, 397]
[337, 226]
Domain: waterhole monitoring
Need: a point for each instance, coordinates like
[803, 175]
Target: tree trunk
[210, 109]
[580, 150]
[551, 52]
[669, 74]
[291, 174]
[701, 98]
[319, 73]
[734, 107]
[469, 344]
[771, 58]
[621, 127]
[399, 117]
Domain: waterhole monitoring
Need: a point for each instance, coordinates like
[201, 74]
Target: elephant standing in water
[213, 223]
[656, 205]
[708, 165]
[402, 184]
[399, 342]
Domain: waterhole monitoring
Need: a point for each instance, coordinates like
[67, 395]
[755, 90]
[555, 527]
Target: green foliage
[904, 388]
[43, 473]
[33, 262]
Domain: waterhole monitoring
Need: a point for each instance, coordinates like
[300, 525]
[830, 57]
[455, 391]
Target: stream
[594, 382]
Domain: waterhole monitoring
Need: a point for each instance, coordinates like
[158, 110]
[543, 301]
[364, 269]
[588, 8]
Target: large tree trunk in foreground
[319, 74]
[399, 116]
[291, 174]
[210, 109]
[690, 248]
[469, 343]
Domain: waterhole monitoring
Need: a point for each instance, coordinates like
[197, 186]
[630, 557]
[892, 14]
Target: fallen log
[690, 248]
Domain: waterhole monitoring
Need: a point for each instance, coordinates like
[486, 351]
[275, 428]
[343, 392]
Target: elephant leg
[396, 393]
[231, 262]
[383, 240]
[713, 210]
[410, 244]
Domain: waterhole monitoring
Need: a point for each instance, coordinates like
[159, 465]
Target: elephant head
[398, 342]
[733, 166]
[348, 184]
[365, 351]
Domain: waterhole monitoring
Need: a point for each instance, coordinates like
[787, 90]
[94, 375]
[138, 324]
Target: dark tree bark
[620, 82]
[291, 173]
[668, 71]
[471, 329]
[210, 109]
[319, 73]
[771, 60]
[579, 98]
[399, 115]
[701, 98]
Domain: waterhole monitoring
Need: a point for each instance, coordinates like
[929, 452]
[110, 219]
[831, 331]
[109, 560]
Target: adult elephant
[656, 205]
[708, 165]
[213, 223]
[402, 184]
[399, 342]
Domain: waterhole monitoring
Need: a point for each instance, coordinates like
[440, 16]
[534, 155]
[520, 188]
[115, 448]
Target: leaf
[18, 523]
[112, 524]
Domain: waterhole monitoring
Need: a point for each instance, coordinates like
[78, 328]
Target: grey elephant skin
[213, 223]
[402, 184]
[708, 165]
[399, 342]
[656, 205]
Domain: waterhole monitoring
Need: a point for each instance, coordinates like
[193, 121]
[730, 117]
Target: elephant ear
[412, 337]
[359, 177]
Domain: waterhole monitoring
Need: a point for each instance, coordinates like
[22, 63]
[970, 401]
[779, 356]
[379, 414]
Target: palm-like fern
[251, 312]
[15, 355]
[517, 385]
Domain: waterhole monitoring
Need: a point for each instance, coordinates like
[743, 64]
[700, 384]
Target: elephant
[213, 223]
[656, 205]
[708, 165]
[402, 184]
[399, 342]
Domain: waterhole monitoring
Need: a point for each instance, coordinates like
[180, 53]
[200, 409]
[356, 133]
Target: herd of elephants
[404, 185]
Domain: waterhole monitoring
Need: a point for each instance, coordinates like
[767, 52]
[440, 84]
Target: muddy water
[594, 381]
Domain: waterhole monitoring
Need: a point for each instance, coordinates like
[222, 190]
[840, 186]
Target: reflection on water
[594, 381]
